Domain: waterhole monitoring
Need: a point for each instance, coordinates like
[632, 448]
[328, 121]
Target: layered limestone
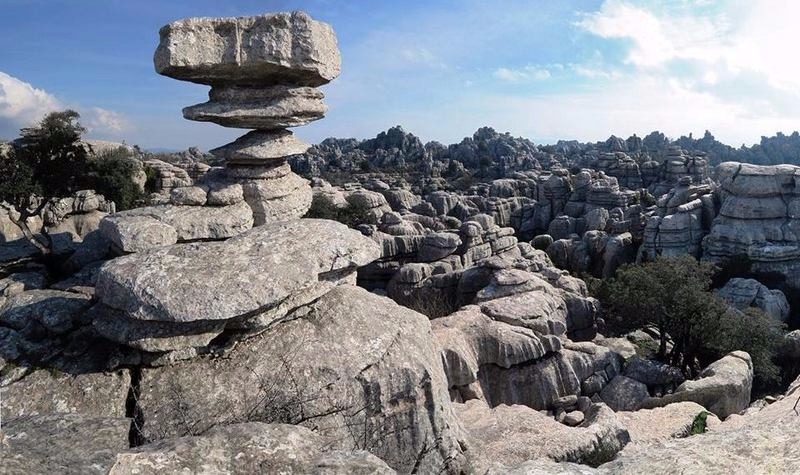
[169, 298]
[262, 50]
[759, 219]
[263, 71]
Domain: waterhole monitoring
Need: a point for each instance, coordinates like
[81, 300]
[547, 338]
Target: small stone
[188, 195]
[573, 418]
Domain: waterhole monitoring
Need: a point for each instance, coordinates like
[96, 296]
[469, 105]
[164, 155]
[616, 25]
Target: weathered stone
[277, 199]
[154, 336]
[188, 195]
[513, 434]
[649, 426]
[224, 194]
[252, 447]
[54, 310]
[141, 229]
[624, 394]
[137, 233]
[744, 293]
[254, 271]
[43, 391]
[258, 50]
[341, 362]
[267, 108]
[62, 443]
[723, 387]
[260, 146]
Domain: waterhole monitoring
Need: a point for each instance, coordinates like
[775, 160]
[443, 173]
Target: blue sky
[571, 69]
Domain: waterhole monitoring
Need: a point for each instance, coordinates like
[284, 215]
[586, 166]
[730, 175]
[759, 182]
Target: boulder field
[220, 332]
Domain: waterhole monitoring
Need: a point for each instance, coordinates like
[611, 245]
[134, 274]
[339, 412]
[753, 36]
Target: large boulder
[253, 447]
[249, 51]
[254, 272]
[723, 387]
[354, 366]
[510, 435]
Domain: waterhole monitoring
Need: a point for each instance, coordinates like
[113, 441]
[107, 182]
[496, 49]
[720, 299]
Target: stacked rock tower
[264, 72]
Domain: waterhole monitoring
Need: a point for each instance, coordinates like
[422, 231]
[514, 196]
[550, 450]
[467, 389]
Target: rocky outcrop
[723, 387]
[62, 443]
[757, 219]
[377, 354]
[744, 293]
[140, 305]
[509, 435]
[246, 448]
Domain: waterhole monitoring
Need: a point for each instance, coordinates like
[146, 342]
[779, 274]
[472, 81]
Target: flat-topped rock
[263, 50]
[261, 146]
[141, 229]
[253, 271]
[266, 108]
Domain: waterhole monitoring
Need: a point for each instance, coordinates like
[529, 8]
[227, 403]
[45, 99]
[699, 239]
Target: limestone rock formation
[246, 448]
[723, 387]
[140, 301]
[62, 443]
[743, 293]
[757, 219]
[263, 71]
[340, 363]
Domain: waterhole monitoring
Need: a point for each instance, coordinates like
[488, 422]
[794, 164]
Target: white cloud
[21, 104]
[734, 57]
[104, 121]
[527, 73]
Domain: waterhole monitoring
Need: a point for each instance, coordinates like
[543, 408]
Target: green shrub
[673, 295]
[113, 174]
[699, 423]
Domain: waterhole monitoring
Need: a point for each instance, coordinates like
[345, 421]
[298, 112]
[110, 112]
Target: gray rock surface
[350, 359]
[259, 50]
[297, 253]
[246, 448]
[266, 108]
[510, 435]
[723, 387]
[62, 443]
[624, 394]
[43, 392]
[259, 146]
[744, 293]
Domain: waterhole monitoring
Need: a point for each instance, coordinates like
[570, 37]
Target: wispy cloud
[22, 105]
[527, 73]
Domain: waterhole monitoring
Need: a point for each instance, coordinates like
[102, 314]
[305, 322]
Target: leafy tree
[48, 161]
[673, 295]
[113, 174]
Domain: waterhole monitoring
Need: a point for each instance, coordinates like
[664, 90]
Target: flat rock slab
[257, 50]
[246, 448]
[62, 443]
[141, 229]
[243, 276]
[266, 108]
[261, 146]
[45, 391]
